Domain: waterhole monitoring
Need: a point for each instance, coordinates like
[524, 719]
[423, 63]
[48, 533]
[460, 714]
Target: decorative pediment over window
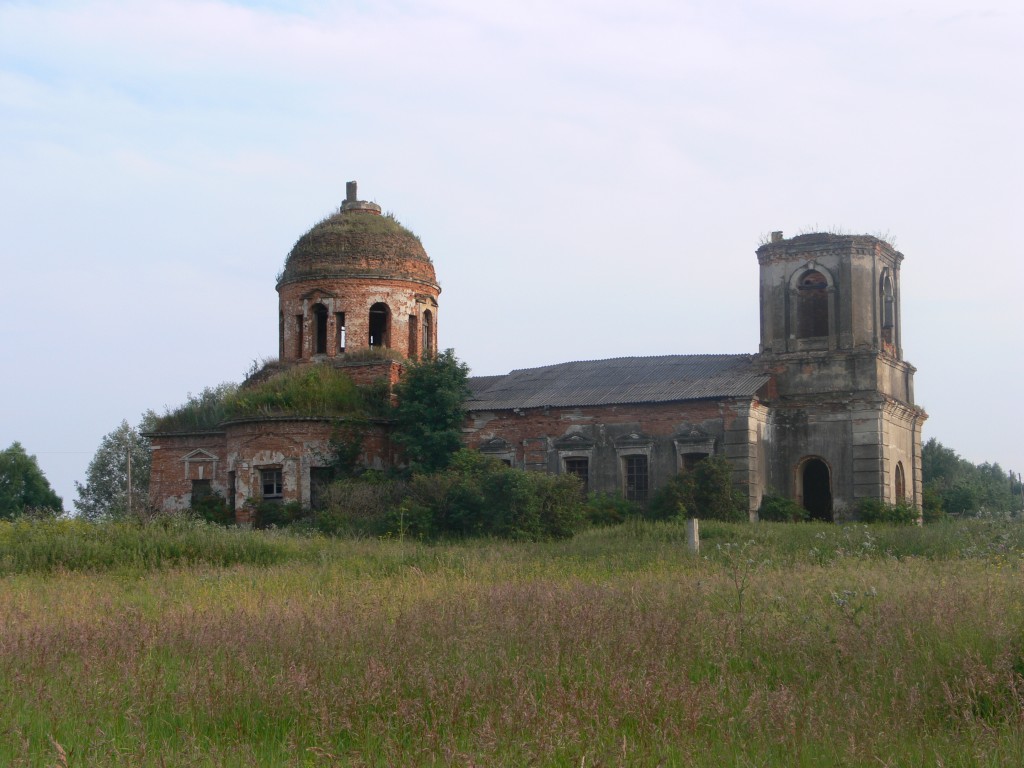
[199, 455]
[693, 441]
[495, 445]
[575, 442]
[198, 465]
[634, 442]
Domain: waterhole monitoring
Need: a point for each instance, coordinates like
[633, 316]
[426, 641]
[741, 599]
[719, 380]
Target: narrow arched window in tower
[428, 333]
[320, 314]
[339, 323]
[901, 483]
[299, 337]
[812, 305]
[380, 325]
[888, 298]
[816, 489]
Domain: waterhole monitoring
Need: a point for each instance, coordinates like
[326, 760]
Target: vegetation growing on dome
[314, 390]
[360, 223]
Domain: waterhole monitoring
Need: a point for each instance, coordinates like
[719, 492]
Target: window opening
[270, 479]
[319, 479]
[579, 466]
[812, 306]
[817, 490]
[340, 323]
[298, 335]
[412, 336]
[380, 325]
[690, 460]
[636, 478]
[231, 492]
[320, 316]
[888, 309]
[901, 483]
[428, 332]
[201, 489]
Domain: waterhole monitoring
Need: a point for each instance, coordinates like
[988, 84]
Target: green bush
[214, 509]
[877, 511]
[705, 491]
[778, 509]
[277, 513]
[361, 506]
[609, 509]
[480, 496]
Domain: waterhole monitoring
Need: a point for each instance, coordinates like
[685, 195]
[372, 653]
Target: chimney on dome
[353, 203]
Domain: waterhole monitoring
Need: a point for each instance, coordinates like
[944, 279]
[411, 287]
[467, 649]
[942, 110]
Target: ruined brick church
[824, 413]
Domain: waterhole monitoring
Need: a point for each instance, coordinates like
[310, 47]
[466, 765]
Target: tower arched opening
[812, 305]
[320, 318]
[380, 325]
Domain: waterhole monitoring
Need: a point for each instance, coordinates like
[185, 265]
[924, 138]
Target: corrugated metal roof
[618, 381]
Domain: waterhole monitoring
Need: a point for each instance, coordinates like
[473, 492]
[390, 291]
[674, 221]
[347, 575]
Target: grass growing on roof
[305, 390]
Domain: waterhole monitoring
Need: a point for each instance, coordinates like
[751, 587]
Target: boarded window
[270, 480]
[635, 468]
[579, 466]
[812, 306]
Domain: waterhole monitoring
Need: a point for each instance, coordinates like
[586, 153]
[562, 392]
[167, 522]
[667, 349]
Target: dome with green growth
[358, 241]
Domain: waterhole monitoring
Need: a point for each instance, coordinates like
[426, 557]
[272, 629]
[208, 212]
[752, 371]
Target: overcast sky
[590, 178]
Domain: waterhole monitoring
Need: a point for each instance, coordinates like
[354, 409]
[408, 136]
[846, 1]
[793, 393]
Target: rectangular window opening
[270, 480]
[636, 478]
[579, 466]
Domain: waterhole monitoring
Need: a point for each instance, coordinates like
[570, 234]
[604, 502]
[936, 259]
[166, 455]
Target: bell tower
[844, 426]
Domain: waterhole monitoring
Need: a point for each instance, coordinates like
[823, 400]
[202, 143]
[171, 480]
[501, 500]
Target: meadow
[793, 645]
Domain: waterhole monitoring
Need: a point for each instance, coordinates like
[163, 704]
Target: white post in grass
[693, 535]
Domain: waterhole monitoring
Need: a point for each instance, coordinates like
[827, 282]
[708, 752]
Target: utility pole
[129, 473]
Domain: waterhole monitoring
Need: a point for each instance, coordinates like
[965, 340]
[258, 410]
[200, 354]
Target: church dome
[358, 241]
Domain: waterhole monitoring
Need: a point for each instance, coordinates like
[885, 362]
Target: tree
[23, 486]
[705, 491]
[106, 493]
[955, 485]
[431, 410]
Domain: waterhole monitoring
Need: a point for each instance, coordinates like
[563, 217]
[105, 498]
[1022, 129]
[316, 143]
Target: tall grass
[615, 648]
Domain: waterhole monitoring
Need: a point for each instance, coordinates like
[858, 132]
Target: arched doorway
[816, 489]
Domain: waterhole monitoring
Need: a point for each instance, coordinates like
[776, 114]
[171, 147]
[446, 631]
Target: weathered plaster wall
[541, 439]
